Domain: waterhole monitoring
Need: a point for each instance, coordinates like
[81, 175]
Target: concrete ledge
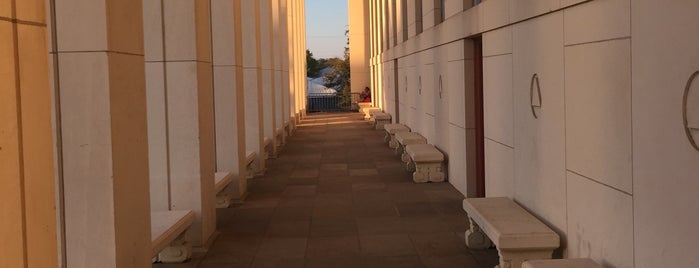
[518, 235]
[405, 139]
[223, 179]
[391, 130]
[427, 163]
[168, 244]
[564, 263]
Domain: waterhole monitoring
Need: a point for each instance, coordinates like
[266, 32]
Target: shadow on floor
[338, 197]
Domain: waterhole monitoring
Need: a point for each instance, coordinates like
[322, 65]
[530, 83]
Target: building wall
[606, 161]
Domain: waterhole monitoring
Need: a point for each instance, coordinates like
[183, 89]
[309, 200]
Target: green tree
[313, 66]
[339, 78]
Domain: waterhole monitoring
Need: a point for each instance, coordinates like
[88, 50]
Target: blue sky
[326, 22]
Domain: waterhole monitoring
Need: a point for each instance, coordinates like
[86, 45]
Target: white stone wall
[606, 161]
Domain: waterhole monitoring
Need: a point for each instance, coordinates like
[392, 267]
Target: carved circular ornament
[685, 118]
[535, 83]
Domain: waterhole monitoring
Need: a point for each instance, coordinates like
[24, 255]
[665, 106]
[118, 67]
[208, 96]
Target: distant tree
[312, 65]
[339, 77]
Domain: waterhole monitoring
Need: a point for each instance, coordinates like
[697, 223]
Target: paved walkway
[338, 197]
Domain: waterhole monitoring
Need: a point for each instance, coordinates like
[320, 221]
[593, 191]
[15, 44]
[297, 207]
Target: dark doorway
[480, 132]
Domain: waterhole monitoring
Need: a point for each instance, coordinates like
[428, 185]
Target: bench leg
[250, 171]
[223, 200]
[421, 174]
[178, 251]
[514, 259]
[387, 139]
[410, 165]
[399, 150]
[380, 124]
[393, 143]
[475, 238]
[428, 172]
[405, 156]
[435, 172]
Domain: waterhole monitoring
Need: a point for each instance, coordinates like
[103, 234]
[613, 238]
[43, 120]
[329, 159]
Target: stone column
[284, 56]
[291, 9]
[178, 54]
[251, 69]
[103, 128]
[359, 44]
[28, 213]
[229, 93]
[267, 77]
[276, 57]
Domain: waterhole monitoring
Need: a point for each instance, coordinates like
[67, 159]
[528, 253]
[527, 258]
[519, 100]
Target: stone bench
[168, 244]
[250, 164]
[405, 139]
[518, 235]
[425, 162]
[369, 112]
[381, 119]
[564, 263]
[391, 130]
[222, 180]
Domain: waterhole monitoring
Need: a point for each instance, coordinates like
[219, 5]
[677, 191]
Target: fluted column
[28, 210]
[101, 94]
[181, 113]
[229, 93]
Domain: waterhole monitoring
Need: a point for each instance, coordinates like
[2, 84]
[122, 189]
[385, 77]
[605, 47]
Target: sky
[326, 22]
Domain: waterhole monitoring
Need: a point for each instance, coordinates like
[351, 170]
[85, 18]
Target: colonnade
[115, 109]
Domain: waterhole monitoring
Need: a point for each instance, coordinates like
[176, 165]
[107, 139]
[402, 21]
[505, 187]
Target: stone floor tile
[342, 199]
[416, 209]
[460, 260]
[343, 262]
[386, 245]
[333, 247]
[288, 229]
[332, 213]
[293, 213]
[283, 248]
[380, 225]
[307, 211]
[305, 173]
[438, 244]
[356, 172]
[333, 227]
[300, 191]
[410, 261]
[266, 262]
[304, 201]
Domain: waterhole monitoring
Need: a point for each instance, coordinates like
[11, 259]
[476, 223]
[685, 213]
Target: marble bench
[518, 235]
[426, 163]
[168, 244]
[368, 112]
[250, 164]
[222, 179]
[564, 263]
[405, 139]
[381, 119]
[391, 130]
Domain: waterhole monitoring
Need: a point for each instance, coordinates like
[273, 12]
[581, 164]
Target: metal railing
[332, 102]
